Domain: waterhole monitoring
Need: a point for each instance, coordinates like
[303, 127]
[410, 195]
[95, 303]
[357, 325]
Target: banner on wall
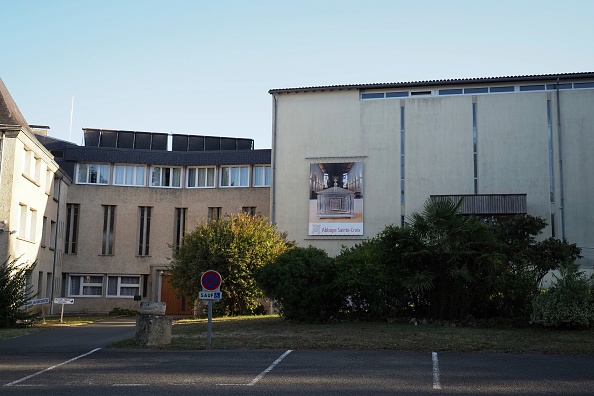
[336, 198]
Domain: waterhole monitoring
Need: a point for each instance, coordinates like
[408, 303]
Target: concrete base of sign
[152, 308]
[153, 330]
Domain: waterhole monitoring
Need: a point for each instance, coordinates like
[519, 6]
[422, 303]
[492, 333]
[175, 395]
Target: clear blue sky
[205, 68]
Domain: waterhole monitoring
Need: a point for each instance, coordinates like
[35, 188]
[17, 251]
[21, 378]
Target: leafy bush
[303, 281]
[117, 311]
[569, 302]
[14, 293]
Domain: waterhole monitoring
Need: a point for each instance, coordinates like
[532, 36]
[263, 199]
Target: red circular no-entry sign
[211, 280]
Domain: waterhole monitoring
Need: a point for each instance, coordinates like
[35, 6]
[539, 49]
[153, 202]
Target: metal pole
[209, 331]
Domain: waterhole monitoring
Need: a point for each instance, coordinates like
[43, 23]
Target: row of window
[476, 90]
[103, 286]
[32, 169]
[172, 177]
[143, 227]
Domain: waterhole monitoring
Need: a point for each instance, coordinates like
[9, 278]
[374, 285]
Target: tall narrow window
[474, 148]
[33, 226]
[402, 155]
[53, 234]
[44, 232]
[201, 177]
[23, 212]
[108, 227]
[180, 226]
[214, 213]
[144, 230]
[71, 228]
[261, 176]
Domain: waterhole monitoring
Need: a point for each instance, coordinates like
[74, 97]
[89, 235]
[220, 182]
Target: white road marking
[436, 382]
[129, 384]
[50, 368]
[263, 373]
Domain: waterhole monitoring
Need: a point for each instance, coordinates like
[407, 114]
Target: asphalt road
[75, 361]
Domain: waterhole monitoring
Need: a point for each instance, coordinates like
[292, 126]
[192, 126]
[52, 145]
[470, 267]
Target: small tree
[235, 247]
[14, 292]
[303, 281]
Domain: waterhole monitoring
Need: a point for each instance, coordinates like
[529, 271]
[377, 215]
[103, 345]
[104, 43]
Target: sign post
[39, 301]
[60, 300]
[211, 291]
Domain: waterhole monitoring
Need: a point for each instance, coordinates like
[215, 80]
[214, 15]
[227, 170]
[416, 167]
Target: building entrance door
[175, 305]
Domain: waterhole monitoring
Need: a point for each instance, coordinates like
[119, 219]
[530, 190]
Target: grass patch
[272, 332]
[50, 322]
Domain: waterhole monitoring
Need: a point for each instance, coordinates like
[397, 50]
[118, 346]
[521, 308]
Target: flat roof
[550, 78]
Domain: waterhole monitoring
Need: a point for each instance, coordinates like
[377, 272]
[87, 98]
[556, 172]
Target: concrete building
[348, 160]
[102, 219]
[33, 194]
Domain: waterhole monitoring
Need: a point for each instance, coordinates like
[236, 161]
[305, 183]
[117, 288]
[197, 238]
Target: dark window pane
[476, 90]
[561, 86]
[379, 95]
[584, 85]
[397, 94]
[450, 91]
[502, 89]
[532, 88]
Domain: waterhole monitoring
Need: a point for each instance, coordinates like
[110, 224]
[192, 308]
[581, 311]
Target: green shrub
[123, 312]
[569, 302]
[303, 281]
[14, 293]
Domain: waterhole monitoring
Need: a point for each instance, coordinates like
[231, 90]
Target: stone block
[152, 308]
[153, 330]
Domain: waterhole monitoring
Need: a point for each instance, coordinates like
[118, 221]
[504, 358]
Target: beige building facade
[33, 194]
[507, 145]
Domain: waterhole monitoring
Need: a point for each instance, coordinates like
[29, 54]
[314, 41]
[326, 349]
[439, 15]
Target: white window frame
[119, 286]
[134, 169]
[262, 171]
[102, 173]
[85, 281]
[227, 172]
[196, 170]
[162, 178]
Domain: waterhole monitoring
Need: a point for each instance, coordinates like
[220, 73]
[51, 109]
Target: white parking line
[436, 382]
[50, 368]
[263, 373]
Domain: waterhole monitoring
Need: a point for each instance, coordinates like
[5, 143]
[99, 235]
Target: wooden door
[175, 305]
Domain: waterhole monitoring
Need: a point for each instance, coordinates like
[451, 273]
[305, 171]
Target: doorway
[175, 305]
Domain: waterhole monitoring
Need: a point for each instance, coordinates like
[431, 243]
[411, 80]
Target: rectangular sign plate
[59, 300]
[208, 295]
[37, 302]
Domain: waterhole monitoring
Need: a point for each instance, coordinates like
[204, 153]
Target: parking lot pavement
[286, 372]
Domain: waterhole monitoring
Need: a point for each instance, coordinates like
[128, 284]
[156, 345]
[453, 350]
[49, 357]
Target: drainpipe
[2, 154]
[273, 190]
[561, 192]
[56, 246]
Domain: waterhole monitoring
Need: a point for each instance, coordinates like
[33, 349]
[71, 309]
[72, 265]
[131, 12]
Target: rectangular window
[37, 176]
[72, 211]
[235, 176]
[179, 226]
[476, 90]
[201, 177]
[123, 286]
[85, 285]
[108, 227]
[261, 176]
[129, 175]
[372, 95]
[23, 212]
[501, 89]
[524, 88]
[452, 91]
[39, 284]
[402, 94]
[92, 174]
[251, 210]
[56, 189]
[33, 224]
[49, 178]
[53, 235]
[27, 161]
[214, 213]
[44, 232]
[165, 177]
[144, 230]
[48, 285]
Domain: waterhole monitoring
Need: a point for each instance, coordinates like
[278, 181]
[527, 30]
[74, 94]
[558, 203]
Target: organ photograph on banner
[336, 198]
